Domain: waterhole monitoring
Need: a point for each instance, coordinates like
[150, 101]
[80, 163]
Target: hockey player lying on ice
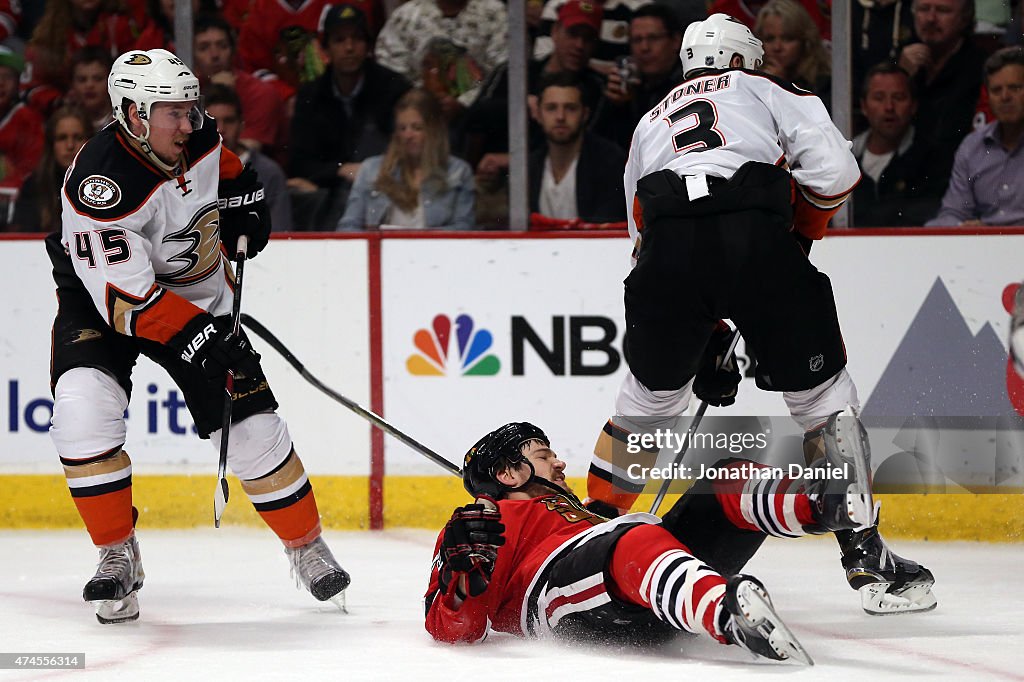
[541, 564]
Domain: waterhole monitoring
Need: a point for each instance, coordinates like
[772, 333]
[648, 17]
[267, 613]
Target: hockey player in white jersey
[730, 179]
[140, 268]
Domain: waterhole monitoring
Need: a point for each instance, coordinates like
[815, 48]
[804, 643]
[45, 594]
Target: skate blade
[339, 601]
[758, 612]
[877, 601]
[109, 611]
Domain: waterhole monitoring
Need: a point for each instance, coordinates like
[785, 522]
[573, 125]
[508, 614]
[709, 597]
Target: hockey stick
[220, 495]
[693, 428]
[366, 414]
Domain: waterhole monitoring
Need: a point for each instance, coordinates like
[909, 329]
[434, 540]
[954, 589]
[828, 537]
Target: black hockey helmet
[498, 450]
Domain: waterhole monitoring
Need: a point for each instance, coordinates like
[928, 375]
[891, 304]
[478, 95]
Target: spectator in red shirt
[236, 12]
[10, 18]
[66, 27]
[283, 40]
[21, 128]
[159, 31]
[213, 53]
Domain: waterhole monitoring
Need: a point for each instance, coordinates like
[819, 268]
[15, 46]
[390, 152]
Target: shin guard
[284, 499]
[101, 488]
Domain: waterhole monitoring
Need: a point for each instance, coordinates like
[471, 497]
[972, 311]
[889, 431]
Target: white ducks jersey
[146, 245]
[714, 123]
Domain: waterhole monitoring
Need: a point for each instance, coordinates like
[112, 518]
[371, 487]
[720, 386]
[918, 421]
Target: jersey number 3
[700, 118]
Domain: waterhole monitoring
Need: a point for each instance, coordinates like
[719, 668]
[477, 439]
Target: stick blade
[220, 500]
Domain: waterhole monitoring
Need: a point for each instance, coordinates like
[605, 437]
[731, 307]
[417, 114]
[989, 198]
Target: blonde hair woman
[416, 183]
[793, 49]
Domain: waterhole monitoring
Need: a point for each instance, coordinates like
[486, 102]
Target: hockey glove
[718, 379]
[470, 548]
[208, 343]
[243, 210]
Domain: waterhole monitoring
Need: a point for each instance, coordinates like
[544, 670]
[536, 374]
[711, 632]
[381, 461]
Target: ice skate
[844, 502]
[751, 622]
[113, 589]
[315, 568]
[888, 583]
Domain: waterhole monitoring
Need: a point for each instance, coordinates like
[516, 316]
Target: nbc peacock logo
[437, 357]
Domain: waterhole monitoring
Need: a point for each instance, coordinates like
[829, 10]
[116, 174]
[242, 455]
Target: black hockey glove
[243, 210]
[717, 382]
[208, 343]
[470, 548]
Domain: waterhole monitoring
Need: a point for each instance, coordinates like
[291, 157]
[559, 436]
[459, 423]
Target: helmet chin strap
[143, 141]
[534, 478]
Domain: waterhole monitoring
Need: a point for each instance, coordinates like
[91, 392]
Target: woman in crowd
[416, 183]
[38, 206]
[793, 49]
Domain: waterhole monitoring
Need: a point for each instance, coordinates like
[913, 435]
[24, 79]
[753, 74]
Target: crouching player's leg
[88, 431]
[261, 454]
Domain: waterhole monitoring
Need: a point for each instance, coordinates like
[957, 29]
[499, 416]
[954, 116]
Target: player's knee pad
[256, 445]
[812, 407]
[88, 414]
[635, 399]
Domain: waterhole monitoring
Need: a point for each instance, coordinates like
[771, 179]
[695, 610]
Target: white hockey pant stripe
[636, 399]
[813, 406]
[256, 445]
[88, 413]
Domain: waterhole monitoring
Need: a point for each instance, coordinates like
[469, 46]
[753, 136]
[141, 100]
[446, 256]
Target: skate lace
[115, 562]
[312, 562]
[885, 559]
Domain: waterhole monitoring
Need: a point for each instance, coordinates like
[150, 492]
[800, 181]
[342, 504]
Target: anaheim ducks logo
[99, 192]
[200, 256]
[86, 335]
[138, 59]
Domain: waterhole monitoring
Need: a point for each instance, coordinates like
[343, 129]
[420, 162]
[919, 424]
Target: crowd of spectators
[358, 117]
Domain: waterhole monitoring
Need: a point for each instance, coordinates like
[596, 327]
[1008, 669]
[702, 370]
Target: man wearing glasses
[653, 69]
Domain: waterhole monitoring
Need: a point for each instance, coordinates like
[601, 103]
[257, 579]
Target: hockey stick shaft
[375, 419]
[663, 490]
[220, 495]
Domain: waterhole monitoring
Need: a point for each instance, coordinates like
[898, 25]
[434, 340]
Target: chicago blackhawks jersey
[536, 531]
[145, 243]
[714, 123]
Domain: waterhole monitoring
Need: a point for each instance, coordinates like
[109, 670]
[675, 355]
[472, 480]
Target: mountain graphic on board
[941, 369]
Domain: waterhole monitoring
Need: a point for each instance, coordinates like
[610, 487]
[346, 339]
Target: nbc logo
[435, 351]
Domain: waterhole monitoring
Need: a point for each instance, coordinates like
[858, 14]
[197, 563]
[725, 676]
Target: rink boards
[451, 335]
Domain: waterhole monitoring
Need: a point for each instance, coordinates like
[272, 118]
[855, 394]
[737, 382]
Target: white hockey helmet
[148, 77]
[711, 44]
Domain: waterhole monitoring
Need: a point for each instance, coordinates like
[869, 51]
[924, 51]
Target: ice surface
[220, 605]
